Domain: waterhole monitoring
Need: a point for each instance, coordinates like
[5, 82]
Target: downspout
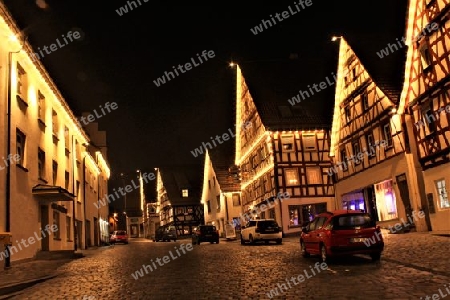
[84, 201]
[75, 233]
[277, 185]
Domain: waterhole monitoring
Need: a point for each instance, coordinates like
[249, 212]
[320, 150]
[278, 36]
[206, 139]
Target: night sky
[118, 58]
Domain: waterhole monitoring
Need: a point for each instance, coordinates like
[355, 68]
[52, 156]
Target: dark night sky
[120, 56]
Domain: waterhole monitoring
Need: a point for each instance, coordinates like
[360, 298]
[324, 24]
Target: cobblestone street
[414, 265]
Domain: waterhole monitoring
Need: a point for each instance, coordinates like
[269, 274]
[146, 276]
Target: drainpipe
[277, 185]
[84, 201]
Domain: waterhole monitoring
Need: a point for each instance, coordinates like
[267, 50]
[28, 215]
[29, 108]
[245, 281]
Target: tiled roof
[272, 84]
[222, 159]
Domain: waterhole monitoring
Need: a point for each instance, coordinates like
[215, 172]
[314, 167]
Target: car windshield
[353, 221]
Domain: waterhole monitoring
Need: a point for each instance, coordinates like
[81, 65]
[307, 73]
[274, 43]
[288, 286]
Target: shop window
[291, 177]
[299, 215]
[385, 201]
[56, 222]
[442, 194]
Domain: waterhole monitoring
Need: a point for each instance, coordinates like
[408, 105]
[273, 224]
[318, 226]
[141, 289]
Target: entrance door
[404, 193]
[96, 228]
[88, 234]
[45, 242]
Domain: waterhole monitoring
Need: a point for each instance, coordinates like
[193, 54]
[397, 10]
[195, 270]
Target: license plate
[358, 240]
[208, 235]
[270, 230]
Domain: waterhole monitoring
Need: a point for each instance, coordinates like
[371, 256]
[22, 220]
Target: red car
[119, 236]
[342, 232]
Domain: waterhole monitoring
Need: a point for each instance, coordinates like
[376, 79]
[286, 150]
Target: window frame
[295, 173]
[440, 194]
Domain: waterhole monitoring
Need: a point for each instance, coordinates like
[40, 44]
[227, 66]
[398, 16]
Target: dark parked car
[119, 236]
[166, 234]
[342, 232]
[205, 233]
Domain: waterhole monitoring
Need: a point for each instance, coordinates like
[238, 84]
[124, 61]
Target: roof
[222, 159]
[177, 178]
[273, 83]
[387, 71]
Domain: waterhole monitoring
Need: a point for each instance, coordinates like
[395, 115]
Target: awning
[52, 193]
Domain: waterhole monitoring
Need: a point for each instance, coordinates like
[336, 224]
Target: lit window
[291, 176]
[442, 193]
[185, 193]
[287, 143]
[309, 141]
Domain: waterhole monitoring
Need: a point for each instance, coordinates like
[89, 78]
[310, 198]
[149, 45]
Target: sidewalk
[25, 274]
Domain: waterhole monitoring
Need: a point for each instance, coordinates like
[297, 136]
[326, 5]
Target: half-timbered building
[373, 166]
[178, 191]
[281, 147]
[426, 102]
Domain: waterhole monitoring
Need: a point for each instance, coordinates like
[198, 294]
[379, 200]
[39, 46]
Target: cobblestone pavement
[414, 265]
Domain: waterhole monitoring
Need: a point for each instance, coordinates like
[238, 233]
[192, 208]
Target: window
[287, 143]
[365, 101]
[66, 137]
[442, 194]
[185, 193]
[55, 172]
[20, 147]
[370, 141]
[344, 159]
[41, 164]
[387, 134]
[56, 234]
[218, 202]
[78, 190]
[354, 74]
[41, 106]
[208, 204]
[356, 152]
[291, 177]
[430, 120]
[68, 227]
[214, 181]
[301, 214]
[66, 180]
[425, 56]
[309, 141]
[348, 115]
[236, 200]
[313, 175]
[55, 123]
[21, 83]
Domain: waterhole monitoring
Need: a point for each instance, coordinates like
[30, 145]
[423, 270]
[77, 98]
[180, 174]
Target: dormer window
[185, 193]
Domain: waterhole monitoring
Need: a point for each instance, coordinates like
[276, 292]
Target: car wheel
[303, 249]
[323, 254]
[250, 239]
[376, 256]
[217, 241]
[242, 241]
[279, 241]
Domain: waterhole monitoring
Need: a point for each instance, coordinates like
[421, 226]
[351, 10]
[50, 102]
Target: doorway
[45, 242]
[96, 228]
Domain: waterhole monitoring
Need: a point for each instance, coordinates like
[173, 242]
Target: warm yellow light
[335, 38]
[232, 64]
[13, 38]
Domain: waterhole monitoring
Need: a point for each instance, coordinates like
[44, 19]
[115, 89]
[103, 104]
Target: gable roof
[273, 83]
[387, 72]
[177, 178]
[222, 158]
